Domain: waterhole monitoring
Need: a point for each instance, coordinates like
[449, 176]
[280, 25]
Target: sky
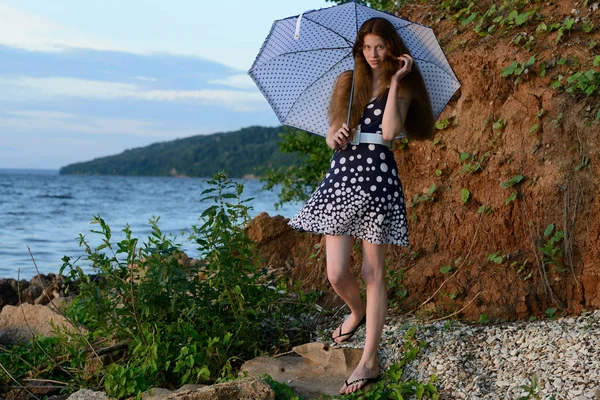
[86, 79]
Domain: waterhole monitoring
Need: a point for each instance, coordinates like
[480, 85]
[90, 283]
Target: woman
[361, 195]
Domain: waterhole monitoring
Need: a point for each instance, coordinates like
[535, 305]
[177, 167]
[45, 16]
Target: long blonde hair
[419, 120]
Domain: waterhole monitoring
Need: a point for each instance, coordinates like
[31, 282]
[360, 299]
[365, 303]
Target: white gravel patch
[499, 361]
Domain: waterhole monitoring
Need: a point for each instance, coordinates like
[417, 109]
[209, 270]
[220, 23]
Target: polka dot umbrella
[301, 58]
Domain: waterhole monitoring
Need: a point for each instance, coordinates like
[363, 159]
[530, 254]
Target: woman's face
[374, 50]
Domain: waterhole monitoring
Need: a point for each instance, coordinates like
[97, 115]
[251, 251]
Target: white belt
[375, 138]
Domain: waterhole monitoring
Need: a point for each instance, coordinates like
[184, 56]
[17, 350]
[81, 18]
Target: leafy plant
[172, 322]
[512, 182]
[512, 197]
[521, 267]
[566, 25]
[552, 248]
[532, 389]
[282, 391]
[391, 386]
[464, 195]
[483, 209]
[396, 288]
[497, 257]
[445, 269]
[518, 70]
[472, 164]
[499, 125]
[299, 180]
[442, 124]
[424, 198]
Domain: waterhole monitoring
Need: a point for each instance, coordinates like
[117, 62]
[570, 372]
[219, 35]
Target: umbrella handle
[350, 102]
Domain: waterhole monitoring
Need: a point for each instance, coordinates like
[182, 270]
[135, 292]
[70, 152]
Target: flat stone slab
[314, 370]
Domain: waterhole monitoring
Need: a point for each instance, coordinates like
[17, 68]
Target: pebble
[500, 361]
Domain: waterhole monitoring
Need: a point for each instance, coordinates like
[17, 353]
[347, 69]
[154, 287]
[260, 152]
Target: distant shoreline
[29, 171]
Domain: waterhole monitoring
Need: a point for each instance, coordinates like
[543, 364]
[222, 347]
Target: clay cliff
[503, 204]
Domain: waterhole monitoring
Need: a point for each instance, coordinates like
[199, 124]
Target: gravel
[500, 361]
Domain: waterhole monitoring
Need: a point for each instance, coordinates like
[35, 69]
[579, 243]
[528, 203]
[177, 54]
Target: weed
[532, 389]
[465, 195]
[521, 267]
[518, 70]
[499, 125]
[391, 386]
[483, 209]
[424, 198]
[497, 257]
[512, 182]
[512, 197]
[472, 164]
[443, 123]
[446, 269]
[552, 248]
[175, 323]
[395, 286]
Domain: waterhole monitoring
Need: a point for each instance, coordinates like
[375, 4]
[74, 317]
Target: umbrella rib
[308, 51]
[314, 81]
[329, 29]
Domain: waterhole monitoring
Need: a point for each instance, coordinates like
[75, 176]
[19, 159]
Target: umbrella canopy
[301, 59]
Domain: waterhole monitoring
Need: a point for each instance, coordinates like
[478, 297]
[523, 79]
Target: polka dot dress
[361, 194]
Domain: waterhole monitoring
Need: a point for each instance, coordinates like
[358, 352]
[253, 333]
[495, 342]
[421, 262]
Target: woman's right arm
[337, 138]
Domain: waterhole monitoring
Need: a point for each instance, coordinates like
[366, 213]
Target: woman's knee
[338, 276]
[373, 274]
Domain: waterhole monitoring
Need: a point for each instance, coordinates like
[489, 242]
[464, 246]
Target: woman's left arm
[398, 101]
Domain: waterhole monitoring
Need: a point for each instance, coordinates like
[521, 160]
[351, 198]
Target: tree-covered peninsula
[240, 153]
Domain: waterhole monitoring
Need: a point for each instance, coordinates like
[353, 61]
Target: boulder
[7, 293]
[317, 369]
[86, 394]
[161, 393]
[27, 320]
[253, 388]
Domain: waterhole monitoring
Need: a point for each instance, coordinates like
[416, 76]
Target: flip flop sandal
[349, 334]
[367, 381]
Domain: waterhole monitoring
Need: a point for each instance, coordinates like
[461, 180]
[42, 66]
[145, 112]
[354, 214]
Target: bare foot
[361, 377]
[347, 329]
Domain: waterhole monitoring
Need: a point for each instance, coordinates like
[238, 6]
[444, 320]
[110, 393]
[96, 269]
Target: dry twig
[60, 311]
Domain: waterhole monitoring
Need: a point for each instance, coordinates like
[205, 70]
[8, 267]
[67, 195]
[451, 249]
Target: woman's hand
[341, 137]
[405, 63]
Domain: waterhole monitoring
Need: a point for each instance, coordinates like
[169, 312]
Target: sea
[43, 213]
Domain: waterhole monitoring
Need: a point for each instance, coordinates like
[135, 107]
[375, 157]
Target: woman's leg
[338, 250]
[373, 273]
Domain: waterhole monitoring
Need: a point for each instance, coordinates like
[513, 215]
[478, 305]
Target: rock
[246, 389]
[189, 386]
[86, 394]
[156, 394]
[341, 360]
[12, 335]
[31, 293]
[29, 320]
[8, 296]
[319, 369]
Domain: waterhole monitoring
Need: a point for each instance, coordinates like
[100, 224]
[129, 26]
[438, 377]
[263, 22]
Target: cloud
[146, 79]
[27, 31]
[29, 89]
[241, 81]
[51, 121]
